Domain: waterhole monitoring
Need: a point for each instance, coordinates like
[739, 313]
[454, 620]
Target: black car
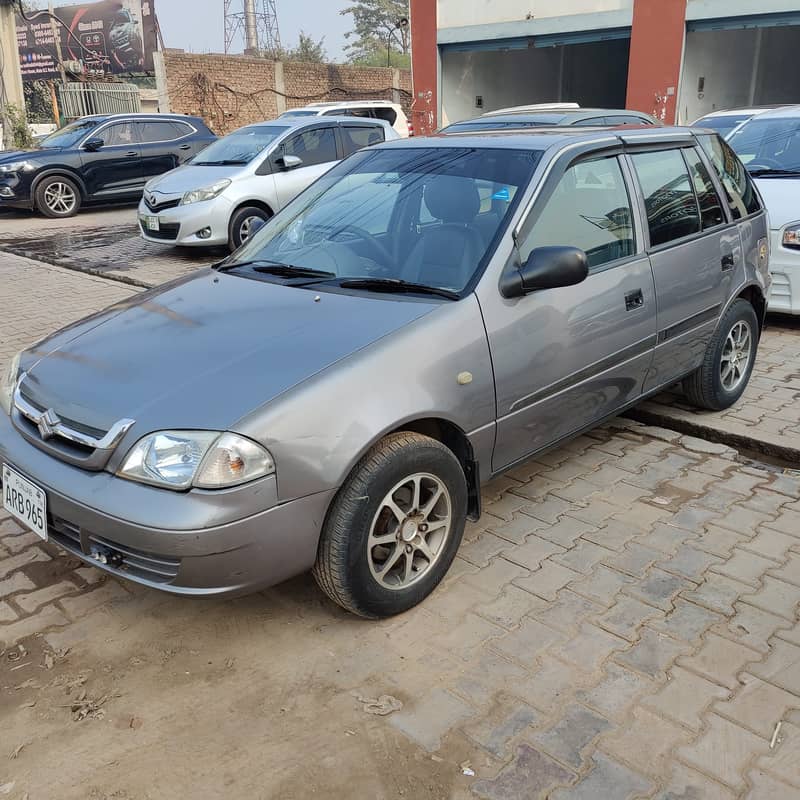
[103, 158]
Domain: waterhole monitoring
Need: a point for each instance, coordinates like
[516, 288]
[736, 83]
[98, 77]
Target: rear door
[565, 358]
[115, 169]
[694, 252]
[164, 145]
[318, 151]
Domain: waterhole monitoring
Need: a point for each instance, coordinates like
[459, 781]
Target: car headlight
[791, 236]
[17, 166]
[203, 459]
[209, 193]
[8, 380]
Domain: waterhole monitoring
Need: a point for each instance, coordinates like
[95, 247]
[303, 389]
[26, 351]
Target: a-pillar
[425, 67]
[657, 41]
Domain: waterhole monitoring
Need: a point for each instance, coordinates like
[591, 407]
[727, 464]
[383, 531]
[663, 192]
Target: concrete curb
[717, 429]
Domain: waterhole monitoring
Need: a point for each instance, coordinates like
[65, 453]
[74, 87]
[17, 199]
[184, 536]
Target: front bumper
[784, 267]
[15, 193]
[181, 224]
[133, 527]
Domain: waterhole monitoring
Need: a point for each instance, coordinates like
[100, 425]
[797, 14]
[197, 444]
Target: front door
[316, 148]
[565, 358]
[115, 169]
[694, 254]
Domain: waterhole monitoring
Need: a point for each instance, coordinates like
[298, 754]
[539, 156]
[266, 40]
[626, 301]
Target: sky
[197, 25]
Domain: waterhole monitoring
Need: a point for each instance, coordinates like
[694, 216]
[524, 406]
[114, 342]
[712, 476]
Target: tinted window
[592, 121]
[317, 146]
[626, 120]
[350, 112]
[69, 134]
[121, 133]
[240, 147]
[589, 209]
[158, 131]
[668, 195]
[741, 195]
[356, 137]
[387, 114]
[711, 213]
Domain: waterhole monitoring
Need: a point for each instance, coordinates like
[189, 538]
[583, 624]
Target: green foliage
[377, 58]
[376, 29]
[20, 132]
[307, 49]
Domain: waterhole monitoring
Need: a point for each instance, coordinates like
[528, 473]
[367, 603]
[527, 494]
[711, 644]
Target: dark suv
[103, 158]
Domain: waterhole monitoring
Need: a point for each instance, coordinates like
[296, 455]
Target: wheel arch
[59, 172]
[256, 203]
[755, 296]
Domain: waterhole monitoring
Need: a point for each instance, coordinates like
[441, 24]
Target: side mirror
[546, 268]
[95, 143]
[289, 162]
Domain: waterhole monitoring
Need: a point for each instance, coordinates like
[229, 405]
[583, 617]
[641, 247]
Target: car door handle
[185, 147]
[634, 300]
[728, 262]
[131, 154]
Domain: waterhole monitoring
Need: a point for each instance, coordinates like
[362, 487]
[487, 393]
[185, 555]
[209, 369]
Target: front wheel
[58, 197]
[242, 225]
[394, 528]
[729, 360]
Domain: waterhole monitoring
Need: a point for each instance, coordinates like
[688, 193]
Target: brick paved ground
[622, 623]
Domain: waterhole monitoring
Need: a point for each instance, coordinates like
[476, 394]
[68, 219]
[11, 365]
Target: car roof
[781, 111]
[347, 104]
[545, 138]
[549, 117]
[294, 123]
[135, 115]
[534, 107]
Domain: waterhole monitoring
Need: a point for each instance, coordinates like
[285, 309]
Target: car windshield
[769, 146]
[240, 147]
[70, 134]
[426, 217]
[722, 125]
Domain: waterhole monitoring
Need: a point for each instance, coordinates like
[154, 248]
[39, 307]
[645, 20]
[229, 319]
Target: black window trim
[721, 202]
[116, 120]
[171, 122]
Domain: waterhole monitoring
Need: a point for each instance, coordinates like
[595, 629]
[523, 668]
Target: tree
[307, 49]
[376, 29]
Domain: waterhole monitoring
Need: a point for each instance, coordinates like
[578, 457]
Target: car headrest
[453, 199]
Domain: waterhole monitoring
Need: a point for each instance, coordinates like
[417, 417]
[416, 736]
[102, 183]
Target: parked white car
[769, 145]
[727, 121]
[249, 175]
[367, 109]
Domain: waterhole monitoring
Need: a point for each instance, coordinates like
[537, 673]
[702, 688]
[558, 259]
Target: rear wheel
[394, 528]
[729, 360]
[242, 224]
[58, 197]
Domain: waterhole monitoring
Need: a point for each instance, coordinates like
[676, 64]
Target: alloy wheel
[60, 197]
[736, 355]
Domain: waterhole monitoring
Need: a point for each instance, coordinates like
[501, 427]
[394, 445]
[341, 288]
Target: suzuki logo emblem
[47, 424]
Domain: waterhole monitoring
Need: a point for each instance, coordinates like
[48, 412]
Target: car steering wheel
[384, 259]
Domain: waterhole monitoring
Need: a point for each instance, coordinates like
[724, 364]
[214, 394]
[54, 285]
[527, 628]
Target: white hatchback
[769, 145]
[366, 109]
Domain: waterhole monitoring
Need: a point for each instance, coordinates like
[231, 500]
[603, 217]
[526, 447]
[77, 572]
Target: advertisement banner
[115, 37]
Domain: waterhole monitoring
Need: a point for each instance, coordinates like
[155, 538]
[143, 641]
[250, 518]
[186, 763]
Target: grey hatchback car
[426, 315]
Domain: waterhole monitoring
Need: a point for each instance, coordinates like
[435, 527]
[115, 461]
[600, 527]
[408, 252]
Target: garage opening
[738, 62]
[588, 68]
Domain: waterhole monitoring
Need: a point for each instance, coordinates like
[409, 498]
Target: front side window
[364, 218]
[589, 209]
[711, 213]
[119, 134]
[70, 134]
[742, 197]
[240, 147]
[669, 198]
[317, 146]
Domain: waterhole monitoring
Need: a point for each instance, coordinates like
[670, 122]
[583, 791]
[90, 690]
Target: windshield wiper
[775, 173]
[396, 285]
[230, 162]
[274, 268]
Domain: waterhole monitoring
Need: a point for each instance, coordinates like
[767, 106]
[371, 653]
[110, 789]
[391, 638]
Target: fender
[747, 286]
[64, 172]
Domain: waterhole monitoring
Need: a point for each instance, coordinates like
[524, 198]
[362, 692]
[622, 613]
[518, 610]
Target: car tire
[378, 558]
[729, 359]
[58, 197]
[237, 230]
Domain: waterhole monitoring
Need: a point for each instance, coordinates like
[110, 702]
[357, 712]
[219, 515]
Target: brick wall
[229, 91]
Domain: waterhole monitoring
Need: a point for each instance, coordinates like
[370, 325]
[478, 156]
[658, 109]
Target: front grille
[57, 443]
[137, 563]
[168, 231]
[163, 206]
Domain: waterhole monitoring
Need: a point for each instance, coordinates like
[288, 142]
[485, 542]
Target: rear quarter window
[741, 195]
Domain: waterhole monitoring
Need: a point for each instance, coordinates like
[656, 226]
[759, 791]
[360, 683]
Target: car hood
[18, 155]
[190, 176]
[782, 199]
[202, 352]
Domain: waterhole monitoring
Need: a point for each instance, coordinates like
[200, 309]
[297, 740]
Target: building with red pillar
[674, 59]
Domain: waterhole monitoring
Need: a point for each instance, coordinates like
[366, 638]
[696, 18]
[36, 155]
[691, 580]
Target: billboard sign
[115, 37]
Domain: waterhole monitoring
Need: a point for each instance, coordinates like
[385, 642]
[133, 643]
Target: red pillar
[659, 29]
[424, 63]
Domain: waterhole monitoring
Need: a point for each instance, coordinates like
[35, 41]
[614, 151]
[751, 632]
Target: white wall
[457, 13]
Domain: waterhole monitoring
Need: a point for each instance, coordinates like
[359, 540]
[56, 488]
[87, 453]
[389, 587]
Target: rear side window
[741, 195]
[711, 213]
[158, 131]
[388, 114]
[669, 198]
[354, 137]
[317, 146]
[623, 119]
[589, 209]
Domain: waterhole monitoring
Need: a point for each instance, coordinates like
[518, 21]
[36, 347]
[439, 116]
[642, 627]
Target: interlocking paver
[548, 510]
[518, 530]
[784, 760]
[686, 621]
[568, 612]
[535, 550]
[530, 774]
[668, 539]
[751, 626]
[652, 655]
[616, 692]
[528, 642]
[583, 557]
[626, 617]
[688, 784]
[634, 560]
[16, 582]
[571, 734]
[511, 606]
[693, 519]
[481, 550]
[551, 684]
[48, 617]
[787, 521]
[745, 566]
[431, 718]
[717, 593]
[493, 579]
[607, 779]
[718, 541]
[505, 722]
[658, 589]
[767, 787]
[689, 562]
[602, 585]
[758, 705]
[720, 660]
[487, 675]
[30, 601]
[614, 534]
[8, 565]
[590, 647]
[685, 697]
[781, 667]
[789, 571]
[566, 531]
[723, 751]
[777, 597]
[547, 580]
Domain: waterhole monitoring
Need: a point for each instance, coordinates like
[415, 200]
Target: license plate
[25, 501]
[151, 223]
